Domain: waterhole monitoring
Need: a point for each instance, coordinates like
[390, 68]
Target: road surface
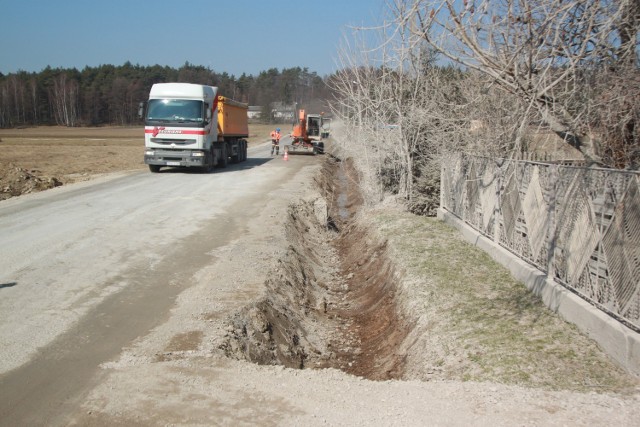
[87, 269]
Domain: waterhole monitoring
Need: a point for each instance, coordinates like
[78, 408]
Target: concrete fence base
[618, 341]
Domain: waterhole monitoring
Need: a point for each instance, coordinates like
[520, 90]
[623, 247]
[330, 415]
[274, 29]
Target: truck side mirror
[207, 114]
[141, 109]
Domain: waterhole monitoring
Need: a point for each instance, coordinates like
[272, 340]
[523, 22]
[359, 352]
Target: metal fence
[579, 225]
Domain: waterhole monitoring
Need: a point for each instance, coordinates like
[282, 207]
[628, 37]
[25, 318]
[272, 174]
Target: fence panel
[579, 225]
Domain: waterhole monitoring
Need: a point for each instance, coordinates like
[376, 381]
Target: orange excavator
[307, 136]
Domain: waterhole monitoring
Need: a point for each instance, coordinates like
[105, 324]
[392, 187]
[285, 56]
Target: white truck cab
[182, 129]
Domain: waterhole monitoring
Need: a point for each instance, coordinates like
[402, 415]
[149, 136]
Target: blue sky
[235, 36]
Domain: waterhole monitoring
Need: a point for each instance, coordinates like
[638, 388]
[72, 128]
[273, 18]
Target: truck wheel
[208, 168]
[244, 151]
[225, 158]
[320, 148]
[154, 168]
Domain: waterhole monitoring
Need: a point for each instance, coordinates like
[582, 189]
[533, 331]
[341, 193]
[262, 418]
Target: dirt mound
[289, 325]
[15, 181]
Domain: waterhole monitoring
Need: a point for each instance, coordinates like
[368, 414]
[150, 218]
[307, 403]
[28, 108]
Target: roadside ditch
[405, 297]
[330, 300]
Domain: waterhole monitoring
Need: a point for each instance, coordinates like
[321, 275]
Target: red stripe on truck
[156, 130]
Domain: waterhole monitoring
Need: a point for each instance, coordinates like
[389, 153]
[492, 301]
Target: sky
[233, 36]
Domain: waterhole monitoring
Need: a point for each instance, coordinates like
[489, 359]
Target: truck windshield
[175, 110]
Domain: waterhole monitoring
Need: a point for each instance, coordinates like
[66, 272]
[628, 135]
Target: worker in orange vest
[275, 141]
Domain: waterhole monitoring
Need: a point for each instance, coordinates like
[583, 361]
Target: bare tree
[395, 108]
[5, 115]
[33, 95]
[118, 98]
[360, 105]
[18, 89]
[64, 97]
[553, 56]
[401, 112]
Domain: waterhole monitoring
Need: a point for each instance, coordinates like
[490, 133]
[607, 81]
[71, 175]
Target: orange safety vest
[275, 135]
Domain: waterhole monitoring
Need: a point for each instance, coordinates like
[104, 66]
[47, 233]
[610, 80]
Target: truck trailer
[190, 125]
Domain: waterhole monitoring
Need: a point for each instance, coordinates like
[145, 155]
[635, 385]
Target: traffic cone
[286, 155]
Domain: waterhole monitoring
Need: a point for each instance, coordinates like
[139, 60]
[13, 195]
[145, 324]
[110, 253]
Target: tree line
[110, 95]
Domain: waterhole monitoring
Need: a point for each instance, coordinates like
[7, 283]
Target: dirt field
[36, 159]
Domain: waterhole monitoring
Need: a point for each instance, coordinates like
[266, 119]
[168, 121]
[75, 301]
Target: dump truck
[190, 125]
[308, 134]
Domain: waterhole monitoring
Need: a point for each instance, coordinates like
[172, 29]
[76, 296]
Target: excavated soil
[15, 181]
[329, 301]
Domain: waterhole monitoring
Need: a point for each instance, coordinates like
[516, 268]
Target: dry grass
[482, 324]
[107, 135]
[65, 133]
[260, 132]
[73, 154]
[77, 154]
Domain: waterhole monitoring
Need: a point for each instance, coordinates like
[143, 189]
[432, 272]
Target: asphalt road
[86, 269]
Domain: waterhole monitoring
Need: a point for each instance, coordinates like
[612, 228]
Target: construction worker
[275, 141]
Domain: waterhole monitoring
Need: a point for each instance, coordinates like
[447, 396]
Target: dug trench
[329, 302]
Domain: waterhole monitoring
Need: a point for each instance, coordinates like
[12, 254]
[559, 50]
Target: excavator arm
[299, 133]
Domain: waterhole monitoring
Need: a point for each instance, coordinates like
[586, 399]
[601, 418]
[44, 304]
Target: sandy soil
[308, 285]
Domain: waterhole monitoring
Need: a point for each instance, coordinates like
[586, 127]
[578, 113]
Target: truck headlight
[197, 154]
[148, 153]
